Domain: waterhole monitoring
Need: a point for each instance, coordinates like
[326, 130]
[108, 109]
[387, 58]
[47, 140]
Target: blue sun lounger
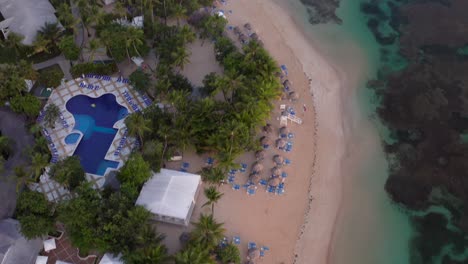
[284, 69]
[263, 250]
[290, 135]
[236, 187]
[184, 166]
[223, 242]
[252, 245]
[231, 179]
[209, 161]
[271, 189]
[287, 161]
[236, 240]
[263, 182]
[243, 167]
[251, 191]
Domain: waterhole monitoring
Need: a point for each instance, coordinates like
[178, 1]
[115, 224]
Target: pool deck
[94, 86]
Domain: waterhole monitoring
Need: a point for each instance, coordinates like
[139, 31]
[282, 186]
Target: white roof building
[170, 195]
[14, 248]
[25, 17]
[111, 259]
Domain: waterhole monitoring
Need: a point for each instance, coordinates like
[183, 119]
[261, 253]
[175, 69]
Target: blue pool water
[72, 138]
[95, 118]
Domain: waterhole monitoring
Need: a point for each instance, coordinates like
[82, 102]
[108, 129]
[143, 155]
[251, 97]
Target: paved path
[12, 126]
[61, 61]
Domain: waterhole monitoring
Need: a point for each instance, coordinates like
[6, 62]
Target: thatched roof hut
[279, 160]
[237, 30]
[254, 36]
[243, 38]
[293, 96]
[276, 172]
[248, 26]
[260, 155]
[268, 128]
[284, 131]
[286, 83]
[255, 178]
[265, 141]
[281, 143]
[253, 253]
[257, 168]
[274, 181]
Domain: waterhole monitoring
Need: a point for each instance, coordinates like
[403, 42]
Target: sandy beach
[297, 226]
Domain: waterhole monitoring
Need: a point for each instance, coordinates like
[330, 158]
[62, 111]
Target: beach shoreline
[327, 95]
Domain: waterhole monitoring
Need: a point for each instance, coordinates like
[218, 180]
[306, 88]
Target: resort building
[170, 196]
[14, 248]
[25, 17]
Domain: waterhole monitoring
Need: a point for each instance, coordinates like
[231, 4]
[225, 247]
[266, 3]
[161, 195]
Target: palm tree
[119, 10]
[14, 41]
[52, 113]
[194, 254]
[93, 46]
[179, 13]
[51, 32]
[186, 34]
[64, 14]
[214, 175]
[41, 44]
[134, 38]
[23, 178]
[207, 232]
[137, 126]
[180, 57]
[38, 163]
[213, 197]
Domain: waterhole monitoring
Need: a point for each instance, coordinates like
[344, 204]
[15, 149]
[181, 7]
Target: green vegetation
[207, 232]
[135, 172]
[140, 80]
[34, 214]
[27, 104]
[5, 147]
[68, 172]
[51, 76]
[213, 196]
[52, 113]
[97, 68]
[68, 47]
[229, 254]
[12, 78]
[194, 254]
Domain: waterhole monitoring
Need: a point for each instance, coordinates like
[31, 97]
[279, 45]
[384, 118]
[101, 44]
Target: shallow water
[370, 229]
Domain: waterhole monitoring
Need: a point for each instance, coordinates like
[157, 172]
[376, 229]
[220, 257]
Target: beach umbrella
[242, 38]
[253, 254]
[293, 96]
[254, 36]
[248, 26]
[49, 245]
[276, 172]
[257, 168]
[281, 143]
[255, 178]
[42, 259]
[279, 160]
[260, 155]
[237, 30]
[265, 141]
[268, 128]
[284, 131]
[274, 181]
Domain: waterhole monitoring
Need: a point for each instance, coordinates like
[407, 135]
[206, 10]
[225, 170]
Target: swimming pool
[95, 118]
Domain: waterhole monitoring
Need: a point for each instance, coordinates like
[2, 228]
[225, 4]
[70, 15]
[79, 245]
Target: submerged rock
[322, 11]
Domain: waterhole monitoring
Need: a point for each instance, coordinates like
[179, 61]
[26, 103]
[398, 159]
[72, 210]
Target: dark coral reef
[322, 11]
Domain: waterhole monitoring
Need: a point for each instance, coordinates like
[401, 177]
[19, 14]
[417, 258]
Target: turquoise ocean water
[370, 229]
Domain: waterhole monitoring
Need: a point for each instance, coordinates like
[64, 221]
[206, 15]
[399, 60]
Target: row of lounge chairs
[64, 122]
[99, 77]
[55, 155]
[40, 117]
[130, 101]
[121, 143]
[90, 86]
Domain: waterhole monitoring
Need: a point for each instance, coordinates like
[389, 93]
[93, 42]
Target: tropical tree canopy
[194, 254]
[27, 104]
[52, 113]
[68, 172]
[207, 232]
[140, 80]
[135, 171]
[34, 214]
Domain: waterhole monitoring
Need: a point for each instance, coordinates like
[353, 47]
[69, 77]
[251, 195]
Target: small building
[25, 17]
[14, 248]
[111, 259]
[170, 196]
